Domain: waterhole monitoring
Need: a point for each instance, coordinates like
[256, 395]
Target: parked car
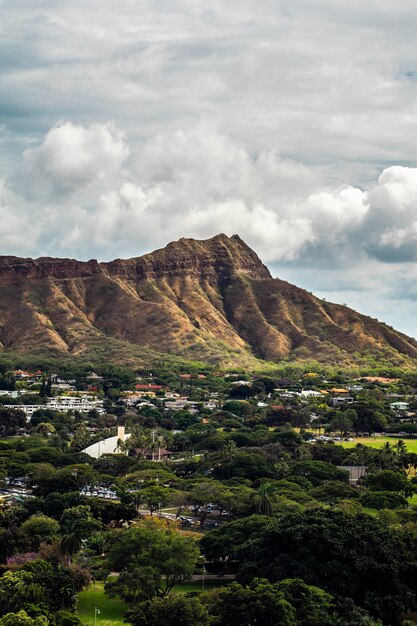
[210, 524]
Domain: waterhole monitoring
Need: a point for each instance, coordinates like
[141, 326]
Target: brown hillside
[210, 300]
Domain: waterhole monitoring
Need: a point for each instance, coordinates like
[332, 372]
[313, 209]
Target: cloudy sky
[126, 124]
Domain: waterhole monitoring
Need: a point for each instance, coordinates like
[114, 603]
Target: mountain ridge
[210, 300]
[165, 258]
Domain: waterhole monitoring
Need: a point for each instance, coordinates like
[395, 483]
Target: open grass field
[378, 442]
[112, 609]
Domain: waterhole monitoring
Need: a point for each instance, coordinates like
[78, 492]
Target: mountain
[211, 301]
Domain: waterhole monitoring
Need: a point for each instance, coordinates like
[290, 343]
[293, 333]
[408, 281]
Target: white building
[182, 405]
[61, 403]
[75, 403]
[10, 394]
[107, 446]
[136, 399]
[310, 393]
[28, 409]
[338, 400]
[211, 404]
[399, 406]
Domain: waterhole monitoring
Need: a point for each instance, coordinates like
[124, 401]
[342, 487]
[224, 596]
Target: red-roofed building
[21, 375]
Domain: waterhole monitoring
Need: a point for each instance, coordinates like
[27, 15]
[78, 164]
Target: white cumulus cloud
[71, 157]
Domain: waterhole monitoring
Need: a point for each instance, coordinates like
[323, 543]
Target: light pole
[203, 558]
[96, 612]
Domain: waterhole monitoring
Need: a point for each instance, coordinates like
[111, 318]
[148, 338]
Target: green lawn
[112, 609]
[378, 442]
[371, 512]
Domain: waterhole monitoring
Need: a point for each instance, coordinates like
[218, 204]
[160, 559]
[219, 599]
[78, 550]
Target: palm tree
[385, 460]
[263, 501]
[154, 444]
[303, 452]
[401, 450]
[122, 447]
[228, 453]
[283, 464]
[140, 440]
[77, 524]
[71, 544]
